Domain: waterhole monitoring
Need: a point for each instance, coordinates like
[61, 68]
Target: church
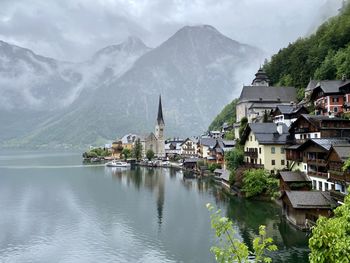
[155, 141]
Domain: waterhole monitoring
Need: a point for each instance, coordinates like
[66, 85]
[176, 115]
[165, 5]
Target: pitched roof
[325, 143]
[312, 84]
[289, 176]
[343, 151]
[310, 199]
[264, 93]
[330, 86]
[266, 133]
[210, 142]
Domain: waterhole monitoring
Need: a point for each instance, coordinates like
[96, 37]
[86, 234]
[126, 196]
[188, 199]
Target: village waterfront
[55, 209]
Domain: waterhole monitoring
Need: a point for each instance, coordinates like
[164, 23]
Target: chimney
[280, 128]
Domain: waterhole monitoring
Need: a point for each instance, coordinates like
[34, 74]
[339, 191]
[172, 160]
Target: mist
[74, 30]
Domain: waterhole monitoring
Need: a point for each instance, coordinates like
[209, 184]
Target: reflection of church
[155, 141]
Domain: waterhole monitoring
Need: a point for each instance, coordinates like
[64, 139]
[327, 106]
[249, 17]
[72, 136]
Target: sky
[73, 30]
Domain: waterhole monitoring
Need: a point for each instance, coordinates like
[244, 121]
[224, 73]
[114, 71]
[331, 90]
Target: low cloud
[73, 30]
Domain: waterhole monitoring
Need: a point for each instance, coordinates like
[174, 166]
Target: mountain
[197, 71]
[323, 55]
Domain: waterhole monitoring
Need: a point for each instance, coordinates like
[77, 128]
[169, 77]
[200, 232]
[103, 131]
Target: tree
[126, 153]
[259, 181]
[234, 158]
[231, 249]
[243, 125]
[330, 240]
[230, 135]
[150, 154]
[137, 150]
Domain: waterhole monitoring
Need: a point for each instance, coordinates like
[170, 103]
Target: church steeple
[261, 78]
[160, 119]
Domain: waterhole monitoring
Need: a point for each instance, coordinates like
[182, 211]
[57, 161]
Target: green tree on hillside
[228, 114]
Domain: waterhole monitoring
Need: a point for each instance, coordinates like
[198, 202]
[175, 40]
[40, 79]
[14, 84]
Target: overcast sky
[74, 29]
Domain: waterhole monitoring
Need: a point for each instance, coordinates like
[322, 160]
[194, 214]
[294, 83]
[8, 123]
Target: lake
[55, 209]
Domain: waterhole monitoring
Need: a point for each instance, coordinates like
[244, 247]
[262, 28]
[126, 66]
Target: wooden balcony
[253, 165]
[339, 176]
[251, 154]
[317, 162]
[318, 174]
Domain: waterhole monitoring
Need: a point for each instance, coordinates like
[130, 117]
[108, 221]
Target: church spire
[160, 119]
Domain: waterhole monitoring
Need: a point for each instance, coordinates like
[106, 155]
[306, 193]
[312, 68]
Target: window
[314, 184]
[260, 150]
[335, 109]
[320, 185]
[272, 162]
[308, 135]
[316, 135]
[282, 150]
[282, 162]
[251, 138]
[273, 150]
[260, 161]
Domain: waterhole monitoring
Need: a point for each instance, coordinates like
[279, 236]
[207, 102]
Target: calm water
[53, 209]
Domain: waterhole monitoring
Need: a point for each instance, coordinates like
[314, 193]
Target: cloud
[73, 30]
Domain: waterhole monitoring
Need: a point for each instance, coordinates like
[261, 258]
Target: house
[204, 145]
[259, 99]
[264, 144]
[330, 96]
[191, 163]
[314, 153]
[216, 153]
[173, 147]
[287, 114]
[117, 148]
[128, 141]
[303, 208]
[294, 180]
[337, 156]
[223, 176]
[189, 147]
[215, 134]
[155, 141]
[317, 126]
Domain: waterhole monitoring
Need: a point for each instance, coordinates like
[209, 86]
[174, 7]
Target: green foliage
[323, 55]
[346, 165]
[234, 158]
[214, 166]
[230, 249]
[150, 154]
[259, 181]
[97, 152]
[137, 150]
[228, 114]
[230, 135]
[330, 241]
[126, 153]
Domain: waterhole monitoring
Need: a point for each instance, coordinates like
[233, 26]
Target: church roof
[268, 94]
[160, 119]
[260, 76]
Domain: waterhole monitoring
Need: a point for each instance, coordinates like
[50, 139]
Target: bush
[214, 166]
[259, 181]
[234, 158]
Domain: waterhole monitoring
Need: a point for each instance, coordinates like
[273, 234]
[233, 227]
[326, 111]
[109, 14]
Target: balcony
[302, 130]
[253, 165]
[338, 176]
[318, 174]
[317, 162]
[251, 154]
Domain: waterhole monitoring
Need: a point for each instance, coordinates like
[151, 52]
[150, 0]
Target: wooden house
[303, 208]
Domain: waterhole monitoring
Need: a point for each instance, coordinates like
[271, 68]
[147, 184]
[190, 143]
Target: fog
[74, 30]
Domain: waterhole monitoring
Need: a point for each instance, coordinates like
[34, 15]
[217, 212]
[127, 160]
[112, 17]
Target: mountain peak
[201, 27]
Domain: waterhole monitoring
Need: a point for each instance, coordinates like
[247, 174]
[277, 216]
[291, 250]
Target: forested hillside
[228, 114]
[323, 55]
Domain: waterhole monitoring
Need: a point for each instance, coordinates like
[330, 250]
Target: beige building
[264, 145]
[260, 98]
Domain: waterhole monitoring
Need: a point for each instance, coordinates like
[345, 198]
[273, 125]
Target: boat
[115, 163]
